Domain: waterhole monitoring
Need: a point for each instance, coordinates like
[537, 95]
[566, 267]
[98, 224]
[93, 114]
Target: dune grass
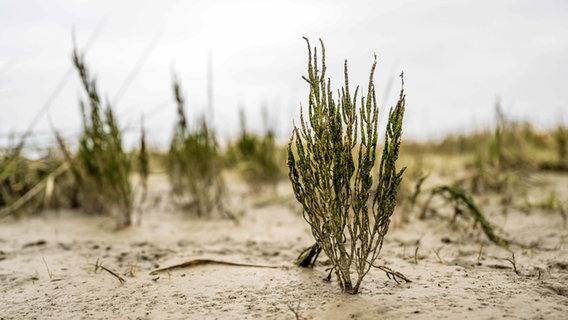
[194, 164]
[101, 167]
[31, 185]
[256, 157]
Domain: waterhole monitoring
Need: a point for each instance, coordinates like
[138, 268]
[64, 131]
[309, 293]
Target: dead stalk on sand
[513, 262]
[201, 262]
[99, 265]
[392, 273]
[437, 252]
[47, 267]
[294, 310]
[416, 255]
[480, 252]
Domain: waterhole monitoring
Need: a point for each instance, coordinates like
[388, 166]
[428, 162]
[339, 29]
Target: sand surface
[455, 272]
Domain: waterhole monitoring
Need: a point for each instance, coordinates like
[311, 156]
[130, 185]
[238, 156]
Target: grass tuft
[256, 157]
[194, 164]
[101, 168]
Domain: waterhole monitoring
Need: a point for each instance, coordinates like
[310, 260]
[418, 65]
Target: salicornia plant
[331, 157]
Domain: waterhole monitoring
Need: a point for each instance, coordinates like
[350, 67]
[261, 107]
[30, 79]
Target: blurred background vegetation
[499, 159]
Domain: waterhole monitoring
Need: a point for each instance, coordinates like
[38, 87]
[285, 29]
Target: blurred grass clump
[101, 167]
[499, 158]
[17, 176]
[256, 157]
[194, 164]
[30, 185]
[503, 160]
[498, 167]
[560, 144]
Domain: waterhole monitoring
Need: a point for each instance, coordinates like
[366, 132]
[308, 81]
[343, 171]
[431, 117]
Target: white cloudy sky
[459, 57]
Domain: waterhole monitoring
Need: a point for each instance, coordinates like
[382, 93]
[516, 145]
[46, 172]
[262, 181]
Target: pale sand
[455, 285]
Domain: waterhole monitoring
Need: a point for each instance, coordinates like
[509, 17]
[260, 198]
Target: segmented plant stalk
[331, 157]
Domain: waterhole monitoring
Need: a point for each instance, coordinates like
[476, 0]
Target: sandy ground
[456, 273]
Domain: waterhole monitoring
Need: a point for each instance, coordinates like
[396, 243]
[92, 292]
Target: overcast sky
[459, 57]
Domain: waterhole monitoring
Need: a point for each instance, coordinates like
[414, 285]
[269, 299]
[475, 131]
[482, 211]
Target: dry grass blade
[99, 265]
[294, 310]
[202, 262]
[392, 273]
[48, 270]
[513, 262]
[5, 212]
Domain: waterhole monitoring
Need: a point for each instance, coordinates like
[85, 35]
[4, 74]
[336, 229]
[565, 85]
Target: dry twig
[201, 262]
[392, 273]
[99, 265]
